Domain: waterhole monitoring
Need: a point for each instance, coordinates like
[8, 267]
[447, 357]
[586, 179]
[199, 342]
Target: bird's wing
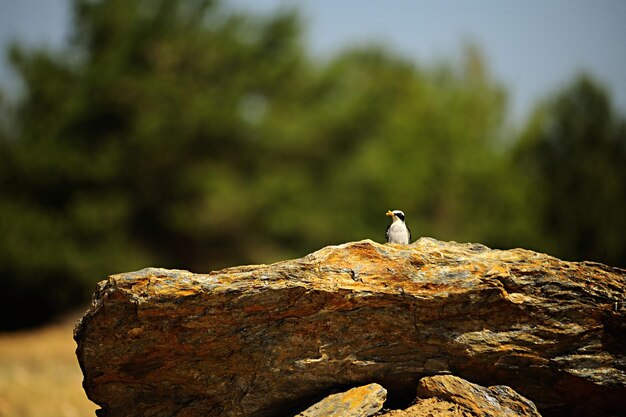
[387, 233]
[409, 230]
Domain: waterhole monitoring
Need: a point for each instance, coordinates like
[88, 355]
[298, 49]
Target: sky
[533, 48]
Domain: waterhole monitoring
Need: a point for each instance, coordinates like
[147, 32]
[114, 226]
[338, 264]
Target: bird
[397, 231]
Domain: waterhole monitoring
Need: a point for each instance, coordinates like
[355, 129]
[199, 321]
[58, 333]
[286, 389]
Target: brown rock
[430, 407]
[362, 401]
[451, 396]
[498, 400]
[267, 340]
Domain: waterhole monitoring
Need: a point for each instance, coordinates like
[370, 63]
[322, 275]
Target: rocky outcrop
[451, 396]
[362, 401]
[271, 340]
[437, 396]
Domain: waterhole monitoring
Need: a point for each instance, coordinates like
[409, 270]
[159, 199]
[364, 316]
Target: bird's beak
[389, 213]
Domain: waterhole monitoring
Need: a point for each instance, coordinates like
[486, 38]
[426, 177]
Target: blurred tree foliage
[175, 133]
[574, 151]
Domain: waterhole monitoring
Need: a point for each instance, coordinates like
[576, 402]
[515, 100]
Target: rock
[498, 400]
[451, 396]
[431, 407]
[268, 340]
[362, 401]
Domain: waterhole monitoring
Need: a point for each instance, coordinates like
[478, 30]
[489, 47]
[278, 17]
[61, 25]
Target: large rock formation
[271, 340]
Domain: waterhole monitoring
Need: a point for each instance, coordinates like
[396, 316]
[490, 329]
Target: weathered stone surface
[498, 400]
[430, 407]
[268, 340]
[451, 396]
[362, 401]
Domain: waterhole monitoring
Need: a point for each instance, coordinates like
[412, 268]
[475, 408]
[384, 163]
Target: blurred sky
[534, 48]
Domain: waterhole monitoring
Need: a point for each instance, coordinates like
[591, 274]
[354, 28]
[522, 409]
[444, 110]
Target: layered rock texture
[451, 396]
[272, 340]
[362, 401]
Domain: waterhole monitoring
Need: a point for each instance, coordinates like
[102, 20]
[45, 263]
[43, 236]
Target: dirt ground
[39, 374]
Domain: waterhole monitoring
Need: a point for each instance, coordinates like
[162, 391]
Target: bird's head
[395, 215]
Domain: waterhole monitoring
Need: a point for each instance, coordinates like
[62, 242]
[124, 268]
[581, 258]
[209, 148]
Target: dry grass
[40, 376]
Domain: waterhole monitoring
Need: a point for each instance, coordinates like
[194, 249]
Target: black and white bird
[397, 231]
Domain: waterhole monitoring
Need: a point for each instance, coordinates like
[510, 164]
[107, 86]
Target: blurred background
[198, 134]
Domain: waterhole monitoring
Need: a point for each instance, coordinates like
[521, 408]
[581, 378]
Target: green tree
[426, 140]
[129, 148]
[574, 150]
[176, 134]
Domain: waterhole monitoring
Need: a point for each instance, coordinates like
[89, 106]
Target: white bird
[397, 231]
